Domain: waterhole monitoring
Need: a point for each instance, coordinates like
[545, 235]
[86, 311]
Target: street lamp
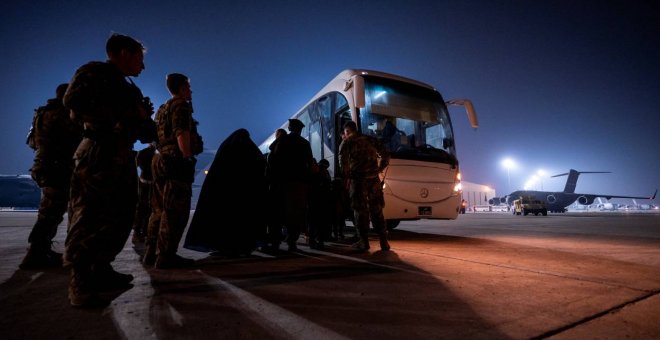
[508, 163]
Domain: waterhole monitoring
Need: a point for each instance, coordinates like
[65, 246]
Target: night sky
[556, 84]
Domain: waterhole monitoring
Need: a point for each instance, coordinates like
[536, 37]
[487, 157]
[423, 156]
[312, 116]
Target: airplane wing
[617, 196]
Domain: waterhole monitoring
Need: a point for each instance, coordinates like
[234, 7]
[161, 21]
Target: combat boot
[318, 245]
[149, 258]
[81, 290]
[173, 261]
[106, 278]
[41, 256]
[384, 245]
[362, 245]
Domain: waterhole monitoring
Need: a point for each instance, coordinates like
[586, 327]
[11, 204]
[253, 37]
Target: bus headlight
[457, 183]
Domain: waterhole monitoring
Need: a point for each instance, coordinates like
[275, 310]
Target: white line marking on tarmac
[355, 259]
[131, 310]
[176, 316]
[273, 317]
[35, 276]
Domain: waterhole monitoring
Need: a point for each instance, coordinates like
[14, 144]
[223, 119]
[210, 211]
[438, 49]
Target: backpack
[163, 125]
[36, 124]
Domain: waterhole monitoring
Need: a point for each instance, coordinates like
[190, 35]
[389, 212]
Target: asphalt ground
[484, 275]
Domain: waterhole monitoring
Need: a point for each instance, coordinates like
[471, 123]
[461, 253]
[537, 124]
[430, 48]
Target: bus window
[418, 126]
[305, 118]
[315, 140]
[324, 110]
[340, 102]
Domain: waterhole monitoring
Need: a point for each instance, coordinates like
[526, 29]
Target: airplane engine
[497, 200]
[551, 199]
[584, 200]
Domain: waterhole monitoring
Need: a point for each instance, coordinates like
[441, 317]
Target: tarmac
[482, 276]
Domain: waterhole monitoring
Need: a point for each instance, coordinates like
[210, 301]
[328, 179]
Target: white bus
[411, 119]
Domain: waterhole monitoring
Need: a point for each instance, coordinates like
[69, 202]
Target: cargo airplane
[557, 201]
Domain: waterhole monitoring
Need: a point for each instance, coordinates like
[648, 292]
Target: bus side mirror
[469, 108]
[358, 91]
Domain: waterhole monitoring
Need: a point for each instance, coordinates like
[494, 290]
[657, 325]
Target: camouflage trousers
[367, 201]
[53, 205]
[170, 210]
[143, 208]
[103, 198]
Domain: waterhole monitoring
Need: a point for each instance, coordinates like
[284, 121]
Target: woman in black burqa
[230, 218]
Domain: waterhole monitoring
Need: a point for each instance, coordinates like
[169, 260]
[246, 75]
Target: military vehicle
[529, 205]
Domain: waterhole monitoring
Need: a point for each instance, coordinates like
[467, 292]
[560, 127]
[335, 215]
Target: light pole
[508, 164]
[540, 173]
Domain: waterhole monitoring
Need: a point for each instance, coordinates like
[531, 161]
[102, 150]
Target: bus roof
[338, 82]
[348, 73]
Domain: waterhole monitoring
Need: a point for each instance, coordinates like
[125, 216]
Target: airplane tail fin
[655, 193]
[573, 175]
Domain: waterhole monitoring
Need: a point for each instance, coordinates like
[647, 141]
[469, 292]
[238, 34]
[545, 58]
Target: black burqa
[231, 210]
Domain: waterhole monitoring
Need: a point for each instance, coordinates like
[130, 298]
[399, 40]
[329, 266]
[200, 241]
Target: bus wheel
[391, 224]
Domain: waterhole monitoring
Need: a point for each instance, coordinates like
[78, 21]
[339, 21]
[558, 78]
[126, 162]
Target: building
[477, 194]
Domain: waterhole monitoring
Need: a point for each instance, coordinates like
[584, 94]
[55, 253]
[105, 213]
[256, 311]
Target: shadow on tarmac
[34, 305]
[329, 294]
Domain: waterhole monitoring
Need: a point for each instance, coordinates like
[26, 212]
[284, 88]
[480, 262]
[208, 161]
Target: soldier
[178, 143]
[289, 166]
[143, 209]
[275, 203]
[320, 204]
[155, 204]
[55, 137]
[362, 159]
[104, 181]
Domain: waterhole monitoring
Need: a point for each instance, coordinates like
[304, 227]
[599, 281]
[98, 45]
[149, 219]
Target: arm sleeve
[383, 154]
[181, 117]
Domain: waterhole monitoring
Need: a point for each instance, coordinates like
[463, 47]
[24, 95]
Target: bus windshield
[410, 120]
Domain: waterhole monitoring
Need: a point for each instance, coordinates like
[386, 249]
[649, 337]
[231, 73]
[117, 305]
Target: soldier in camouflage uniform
[104, 181]
[156, 205]
[362, 158]
[143, 209]
[178, 143]
[55, 137]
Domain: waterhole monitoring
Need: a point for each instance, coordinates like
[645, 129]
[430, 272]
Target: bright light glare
[508, 163]
[540, 172]
[379, 94]
[530, 182]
